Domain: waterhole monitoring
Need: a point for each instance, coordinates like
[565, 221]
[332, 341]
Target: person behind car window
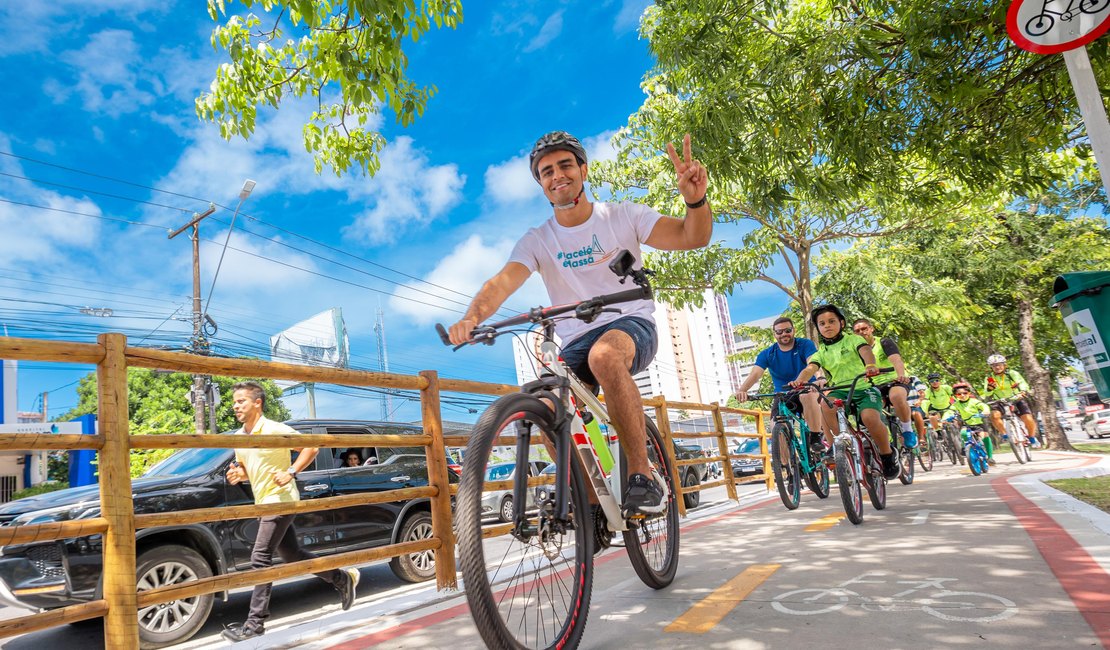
[352, 458]
[272, 484]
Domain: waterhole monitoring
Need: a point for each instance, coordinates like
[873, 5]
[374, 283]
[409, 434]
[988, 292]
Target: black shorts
[1021, 407]
[884, 390]
[793, 403]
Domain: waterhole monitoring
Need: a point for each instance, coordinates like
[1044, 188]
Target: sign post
[1065, 27]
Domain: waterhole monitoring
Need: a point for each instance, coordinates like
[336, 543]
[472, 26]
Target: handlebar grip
[639, 293]
[443, 334]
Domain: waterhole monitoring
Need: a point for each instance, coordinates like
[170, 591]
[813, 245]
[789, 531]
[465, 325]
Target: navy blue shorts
[576, 354]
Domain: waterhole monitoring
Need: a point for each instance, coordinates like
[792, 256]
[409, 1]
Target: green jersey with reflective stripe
[938, 399]
[840, 361]
[971, 411]
[882, 361]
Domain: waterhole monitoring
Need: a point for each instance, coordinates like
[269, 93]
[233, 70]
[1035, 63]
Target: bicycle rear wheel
[530, 588]
[926, 459]
[784, 464]
[851, 493]
[652, 543]
[818, 480]
[936, 450]
[952, 436]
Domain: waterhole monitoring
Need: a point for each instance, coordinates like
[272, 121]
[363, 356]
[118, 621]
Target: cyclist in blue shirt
[785, 359]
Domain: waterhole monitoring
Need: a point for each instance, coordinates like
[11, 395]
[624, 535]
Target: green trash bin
[1086, 310]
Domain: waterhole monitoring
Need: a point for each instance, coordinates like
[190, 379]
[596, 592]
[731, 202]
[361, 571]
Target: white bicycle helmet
[995, 358]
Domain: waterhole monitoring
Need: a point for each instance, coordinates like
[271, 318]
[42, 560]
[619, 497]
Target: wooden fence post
[764, 449]
[722, 450]
[121, 624]
[663, 423]
[437, 477]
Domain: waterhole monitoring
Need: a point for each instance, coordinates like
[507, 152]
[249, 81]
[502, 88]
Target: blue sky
[98, 128]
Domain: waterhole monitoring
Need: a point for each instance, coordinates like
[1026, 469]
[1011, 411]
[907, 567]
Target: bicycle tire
[818, 480]
[1017, 439]
[536, 593]
[788, 474]
[874, 480]
[953, 445]
[926, 460]
[936, 449]
[975, 462]
[652, 544]
[851, 493]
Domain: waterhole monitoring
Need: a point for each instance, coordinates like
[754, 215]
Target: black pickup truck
[691, 474]
[43, 576]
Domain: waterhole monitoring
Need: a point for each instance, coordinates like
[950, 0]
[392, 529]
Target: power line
[96, 192]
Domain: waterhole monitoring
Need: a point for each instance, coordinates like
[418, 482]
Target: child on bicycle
[842, 356]
[972, 411]
[938, 399]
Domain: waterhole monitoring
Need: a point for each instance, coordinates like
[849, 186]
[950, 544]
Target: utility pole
[199, 343]
[45, 418]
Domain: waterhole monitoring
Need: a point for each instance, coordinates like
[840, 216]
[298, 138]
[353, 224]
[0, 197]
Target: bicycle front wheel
[784, 463]
[851, 493]
[818, 480]
[529, 588]
[1017, 440]
[925, 459]
[652, 543]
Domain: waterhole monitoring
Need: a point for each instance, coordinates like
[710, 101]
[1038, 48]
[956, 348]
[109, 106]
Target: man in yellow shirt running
[273, 480]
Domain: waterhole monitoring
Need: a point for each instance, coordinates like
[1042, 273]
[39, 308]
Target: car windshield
[749, 446]
[499, 472]
[188, 462]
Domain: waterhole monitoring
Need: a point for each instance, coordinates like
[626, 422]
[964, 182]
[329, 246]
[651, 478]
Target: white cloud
[511, 181]
[628, 18]
[34, 26]
[551, 29]
[107, 73]
[462, 271]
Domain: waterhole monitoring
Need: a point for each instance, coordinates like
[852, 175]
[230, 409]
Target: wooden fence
[117, 521]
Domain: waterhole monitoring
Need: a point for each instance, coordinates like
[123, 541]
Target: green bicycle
[791, 457]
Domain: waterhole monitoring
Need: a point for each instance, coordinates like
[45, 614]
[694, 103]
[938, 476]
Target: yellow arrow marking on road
[824, 523]
[711, 610]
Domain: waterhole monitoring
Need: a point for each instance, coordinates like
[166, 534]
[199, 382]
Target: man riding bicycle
[1008, 385]
[972, 412]
[571, 252]
[938, 399]
[842, 357]
[894, 385]
[785, 359]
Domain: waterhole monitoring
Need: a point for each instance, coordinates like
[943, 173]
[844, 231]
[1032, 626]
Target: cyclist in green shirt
[1008, 384]
[893, 385]
[938, 399]
[972, 412]
[842, 356]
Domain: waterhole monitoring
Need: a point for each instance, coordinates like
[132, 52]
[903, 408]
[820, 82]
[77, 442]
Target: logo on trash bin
[1088, 344]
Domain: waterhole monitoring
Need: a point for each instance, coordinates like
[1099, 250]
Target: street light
[248, 187]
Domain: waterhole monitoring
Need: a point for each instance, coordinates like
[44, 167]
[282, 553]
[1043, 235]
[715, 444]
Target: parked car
[691, 474]
[44, 576]
[499, 503]
[746, 466]
[1097, 424]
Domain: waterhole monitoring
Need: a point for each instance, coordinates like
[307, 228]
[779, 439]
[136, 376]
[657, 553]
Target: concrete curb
[1097, 518]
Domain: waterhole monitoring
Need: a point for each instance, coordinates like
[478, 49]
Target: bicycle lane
[946, 564]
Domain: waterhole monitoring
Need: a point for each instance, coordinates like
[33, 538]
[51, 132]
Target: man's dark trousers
[277, 533]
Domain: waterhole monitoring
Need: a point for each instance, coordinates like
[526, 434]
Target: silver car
[499, 503]
[1097, 424]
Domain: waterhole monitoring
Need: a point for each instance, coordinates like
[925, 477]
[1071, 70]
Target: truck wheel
[415, 567]
[692, 499]
[171, 623]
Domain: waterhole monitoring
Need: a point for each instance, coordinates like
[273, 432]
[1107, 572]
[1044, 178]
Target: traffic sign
[1052, 26]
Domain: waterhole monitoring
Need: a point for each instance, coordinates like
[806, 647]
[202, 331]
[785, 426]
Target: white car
[1097, 424]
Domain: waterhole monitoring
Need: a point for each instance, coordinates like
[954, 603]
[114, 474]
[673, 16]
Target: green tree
[825, 121]
[348, 56]
[158, 403]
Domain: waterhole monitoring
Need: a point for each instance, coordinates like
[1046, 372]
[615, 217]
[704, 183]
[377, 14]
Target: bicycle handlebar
[586, 310]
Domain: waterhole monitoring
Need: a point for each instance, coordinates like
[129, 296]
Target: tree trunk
[1039, 379]
[805, 289]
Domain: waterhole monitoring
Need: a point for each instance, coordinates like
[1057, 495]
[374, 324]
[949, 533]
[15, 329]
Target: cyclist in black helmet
[571, 251]
[842, 355]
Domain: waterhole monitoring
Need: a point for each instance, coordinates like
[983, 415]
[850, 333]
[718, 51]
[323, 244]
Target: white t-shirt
[574, 262]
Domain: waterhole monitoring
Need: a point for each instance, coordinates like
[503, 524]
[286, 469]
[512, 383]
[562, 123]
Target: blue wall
[81, 468]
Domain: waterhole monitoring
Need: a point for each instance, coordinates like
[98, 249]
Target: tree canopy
[348, 56]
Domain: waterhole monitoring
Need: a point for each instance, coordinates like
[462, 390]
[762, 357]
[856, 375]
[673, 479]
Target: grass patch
[1092, 447]
[1094, 490]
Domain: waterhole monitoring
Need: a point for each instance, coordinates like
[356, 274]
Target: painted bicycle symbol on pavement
[929, 595]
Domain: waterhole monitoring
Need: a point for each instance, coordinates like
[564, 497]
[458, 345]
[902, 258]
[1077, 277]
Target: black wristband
[696, 204]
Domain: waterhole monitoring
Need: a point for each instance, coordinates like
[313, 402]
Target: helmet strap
[572, 204]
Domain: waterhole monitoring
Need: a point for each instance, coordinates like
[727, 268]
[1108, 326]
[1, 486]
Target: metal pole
[198, 380]
[310, 390]
[1090, 105]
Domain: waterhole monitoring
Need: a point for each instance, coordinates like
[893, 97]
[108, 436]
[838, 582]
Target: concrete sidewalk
[954, 560]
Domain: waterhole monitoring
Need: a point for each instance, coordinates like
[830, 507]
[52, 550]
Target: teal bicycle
[791, 457]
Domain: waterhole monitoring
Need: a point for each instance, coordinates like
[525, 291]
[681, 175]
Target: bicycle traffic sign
[1052, 26]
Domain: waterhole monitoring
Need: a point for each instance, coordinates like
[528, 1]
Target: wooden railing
[118, 523]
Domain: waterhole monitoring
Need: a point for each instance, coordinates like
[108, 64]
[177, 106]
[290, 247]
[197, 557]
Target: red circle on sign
[1024, 43]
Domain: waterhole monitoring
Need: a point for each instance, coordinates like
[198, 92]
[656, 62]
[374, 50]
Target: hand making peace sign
[692, 177]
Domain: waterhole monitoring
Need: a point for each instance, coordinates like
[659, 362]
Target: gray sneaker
[346, 587]
[643, 495]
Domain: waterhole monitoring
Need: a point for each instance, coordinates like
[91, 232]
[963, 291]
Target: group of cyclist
[841, 355]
